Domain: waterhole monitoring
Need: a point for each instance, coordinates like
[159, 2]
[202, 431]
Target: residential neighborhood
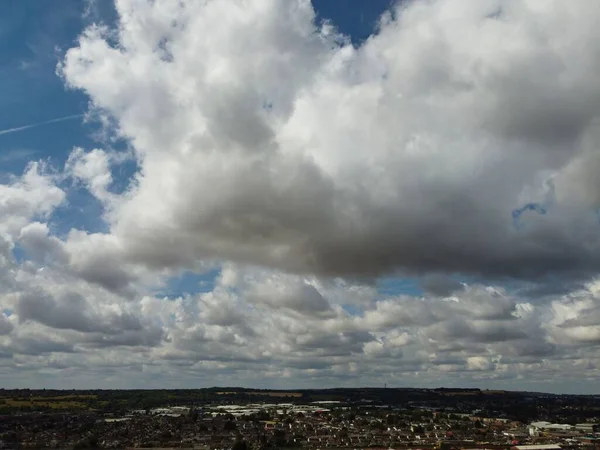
[296, 424]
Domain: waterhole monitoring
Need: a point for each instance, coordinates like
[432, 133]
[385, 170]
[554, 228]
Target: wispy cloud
[38, 124]
[17, 154]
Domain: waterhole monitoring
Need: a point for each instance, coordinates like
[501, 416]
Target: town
[343, 418]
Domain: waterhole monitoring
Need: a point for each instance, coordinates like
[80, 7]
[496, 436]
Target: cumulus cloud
[5, 326]
[250, 326]
[93, 170]
[271, 140]
[30, 196]
[440, 285]
[458, 140]
[288, 292]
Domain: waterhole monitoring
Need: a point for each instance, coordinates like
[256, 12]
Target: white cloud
[305, 168]
[31, 196]
[92, 169]
[264, 140]
[235, 331]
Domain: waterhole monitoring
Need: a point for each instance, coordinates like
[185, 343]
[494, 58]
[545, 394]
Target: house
[537, 447]
[535, 428]
[587, 427]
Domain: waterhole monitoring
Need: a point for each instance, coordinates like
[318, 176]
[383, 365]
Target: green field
[60, 402]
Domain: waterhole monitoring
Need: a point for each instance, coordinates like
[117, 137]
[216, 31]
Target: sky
[296, 194]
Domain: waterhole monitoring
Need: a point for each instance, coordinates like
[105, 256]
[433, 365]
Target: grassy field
[64, 397]
[56, 402]
[45, 403]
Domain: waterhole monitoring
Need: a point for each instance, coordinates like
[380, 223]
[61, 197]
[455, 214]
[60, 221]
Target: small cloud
[17, 154]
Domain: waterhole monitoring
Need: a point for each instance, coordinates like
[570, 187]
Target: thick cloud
[5, 326]
[460, 138]
[440, 285]
[247, 325]
[291, 293]
[576, 317]
[73, 312]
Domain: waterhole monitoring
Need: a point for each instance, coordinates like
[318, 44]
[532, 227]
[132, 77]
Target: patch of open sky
[391, 286]
[353, 310]
[123, 174]
[52, 142]
[190, 283]
[19, 253]
[542, 288]
[356, 19]
[412, 286]
[82, 211]
[33, 37]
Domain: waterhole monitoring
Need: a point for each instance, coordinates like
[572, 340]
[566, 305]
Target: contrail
[38, 124]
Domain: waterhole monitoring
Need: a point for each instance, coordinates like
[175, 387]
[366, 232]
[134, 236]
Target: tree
[230, 426]
[377, 425]
[263, 415]
[90, 442]
[343, 434]
[444, 445]
[240, 444]
[279, 438]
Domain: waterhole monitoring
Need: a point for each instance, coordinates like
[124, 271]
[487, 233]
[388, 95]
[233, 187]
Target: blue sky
[33, 37]
[423, 218]
[357, 19]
